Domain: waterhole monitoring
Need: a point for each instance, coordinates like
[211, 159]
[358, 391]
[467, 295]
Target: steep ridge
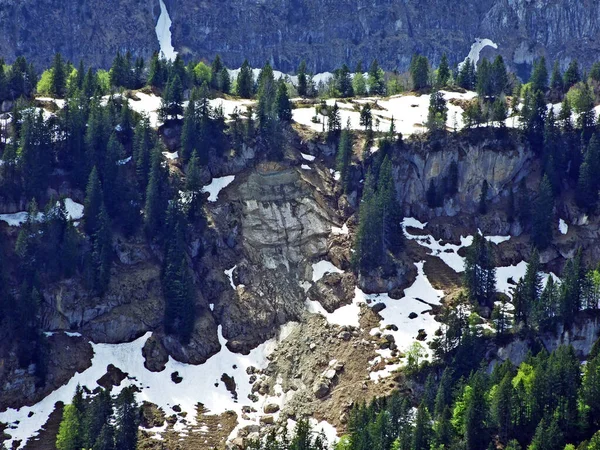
[325, 34]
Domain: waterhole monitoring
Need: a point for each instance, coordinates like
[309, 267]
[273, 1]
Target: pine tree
[344, 82]
[344, 157]
[93, 203]
[443, 73]
[480, 271]
[59, 77]
[156, 200]
[366, 117]
[127, 420]
[113, 184]
[419, 72]
[171, 106]
[422, 433]
[283, 104]
[143, 142]
[438, 113]
[334, 122]
[375, 79]
[499, 77]
[476, 414]
[68, 437]
[572, 75]
[302, 80]
[543, 208]
[215, 69]
[102, 252]
[245, 81]
[556, 79]
[225, 81]
[359, 83]
[539, 76]
[157, 73]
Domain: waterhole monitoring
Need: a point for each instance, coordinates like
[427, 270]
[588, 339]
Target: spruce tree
[69, 431]
[571, 76]
[58, 86]
[344, 157]
[359, 83]
[93, 203]
[419, 72]
[302, 80]
[375, 79]
[480, 271]
[215, 69]
[443, 72]
[283, 104]
[127, 420]
[539, 76]
[156, 198]
[541, 233]
[438, 113]
[245, 81]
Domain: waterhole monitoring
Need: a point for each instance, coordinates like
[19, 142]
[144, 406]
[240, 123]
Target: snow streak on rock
[163, 32]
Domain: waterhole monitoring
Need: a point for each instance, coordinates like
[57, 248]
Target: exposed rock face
[582, 336]
[279, 223]
[501, 168]
[132, 305]
[326, 34]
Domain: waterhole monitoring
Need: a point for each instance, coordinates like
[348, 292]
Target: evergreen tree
[438, 113]
[422, 433]
[556, 79]
[419, 72]
[443, 72]
[476, 414]
[366, 117]
[58, 86]
[359, 83]
[225, 81]
[284, 106]
[541, 233]
[539, 76]
[127, 420]
[156, 198]
[344, 157]
[375, 80]
[216, 68]
[171, 106]
[499, 77]
[157, 73]
[480, 271]
[93, 203]
[245, 81]
[302, 80]
[571, 76]
[68, 437]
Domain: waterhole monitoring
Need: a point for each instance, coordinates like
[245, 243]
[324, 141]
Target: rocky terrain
[325, 34]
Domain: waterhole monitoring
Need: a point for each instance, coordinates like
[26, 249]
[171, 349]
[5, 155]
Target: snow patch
[337, 231]
[198, 385]
[171, 156]
[216, 185]
[229, 274]
[163, 33]
[321, 268]
[563, 227]
[308, 157]
[476, 48]
[305, 167]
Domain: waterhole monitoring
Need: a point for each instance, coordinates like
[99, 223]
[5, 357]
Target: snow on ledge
[216, 186]
[563, 227]
[323, 267]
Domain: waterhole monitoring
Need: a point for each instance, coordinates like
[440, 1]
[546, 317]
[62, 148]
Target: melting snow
[74, 209]
[476, 48]
[74, 212]
[170, 155]
[336, 231]
[163, 33]
[229, 106]
[122, 162]
[216, 185]
[229, 274]
[148, 105]
[563, 227]
[198, 384]
[321, 268]
[307, 157]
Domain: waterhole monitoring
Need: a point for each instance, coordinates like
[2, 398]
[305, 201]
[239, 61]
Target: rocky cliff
[323, 32]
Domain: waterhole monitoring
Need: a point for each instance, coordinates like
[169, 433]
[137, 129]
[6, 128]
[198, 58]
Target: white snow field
[74, 212]
[408, 111]
[323, 267]
[163, 33]
[147, 104]
[216, 185]
[198, 384]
